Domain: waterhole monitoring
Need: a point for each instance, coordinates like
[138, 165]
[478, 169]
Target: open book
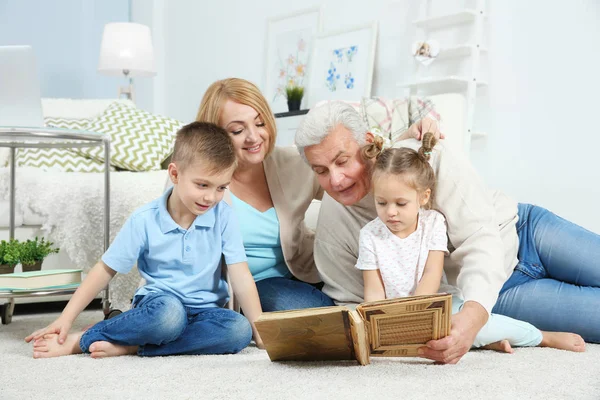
[386, 328]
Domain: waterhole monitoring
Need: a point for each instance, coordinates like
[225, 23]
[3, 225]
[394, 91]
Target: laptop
[20, 99]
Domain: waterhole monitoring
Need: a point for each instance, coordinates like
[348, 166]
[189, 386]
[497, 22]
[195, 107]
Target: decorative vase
[294, 104]
[7, 268]
[32, 267]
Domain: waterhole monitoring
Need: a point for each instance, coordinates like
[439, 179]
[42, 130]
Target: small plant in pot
[9, 256]
[33, 252]
[294, 96]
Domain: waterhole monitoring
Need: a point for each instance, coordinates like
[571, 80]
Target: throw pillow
[406, 111]
[376, 113]
[139, 140]
[64, 160]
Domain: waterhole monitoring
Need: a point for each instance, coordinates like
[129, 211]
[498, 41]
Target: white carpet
[527, 374]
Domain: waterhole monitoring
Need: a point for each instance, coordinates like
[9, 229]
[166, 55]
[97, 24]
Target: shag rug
[532, 373]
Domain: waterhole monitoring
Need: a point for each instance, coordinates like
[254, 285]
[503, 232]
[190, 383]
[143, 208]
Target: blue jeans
[278, 294]
[556, 284]
[160, 325]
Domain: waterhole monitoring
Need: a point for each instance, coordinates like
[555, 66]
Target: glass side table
[44, 138]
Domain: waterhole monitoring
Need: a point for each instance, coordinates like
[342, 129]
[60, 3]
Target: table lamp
[126, 50]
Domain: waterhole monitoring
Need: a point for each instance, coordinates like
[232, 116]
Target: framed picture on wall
[289, 44]
[342, 65]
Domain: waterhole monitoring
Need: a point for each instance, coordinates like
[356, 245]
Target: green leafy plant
[36, 250]
[10, 252]
[294, 92]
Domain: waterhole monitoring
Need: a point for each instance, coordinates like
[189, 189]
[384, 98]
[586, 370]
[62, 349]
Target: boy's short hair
[206, 142]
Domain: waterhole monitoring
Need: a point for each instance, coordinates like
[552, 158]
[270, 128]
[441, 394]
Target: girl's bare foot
[104, 349]
[49, 346]
[563, 341]
[502, 346]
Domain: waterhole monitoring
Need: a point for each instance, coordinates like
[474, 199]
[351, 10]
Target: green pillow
[139, 140]
[64, 160]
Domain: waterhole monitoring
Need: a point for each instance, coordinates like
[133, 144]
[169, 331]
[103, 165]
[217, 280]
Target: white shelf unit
[442, 21]
[444, 84]
[456, 84]
[464, 50]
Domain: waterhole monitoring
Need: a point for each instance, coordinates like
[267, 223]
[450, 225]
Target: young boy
[177, 241]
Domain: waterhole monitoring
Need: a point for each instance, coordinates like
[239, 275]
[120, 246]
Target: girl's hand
[59, 327]
[259, 344]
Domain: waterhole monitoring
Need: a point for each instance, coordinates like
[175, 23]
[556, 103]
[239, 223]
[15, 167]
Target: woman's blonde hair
[243, 92]
[413, 165]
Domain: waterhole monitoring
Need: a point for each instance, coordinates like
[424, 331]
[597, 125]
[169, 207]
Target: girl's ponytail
[373, 150]
[428, 142]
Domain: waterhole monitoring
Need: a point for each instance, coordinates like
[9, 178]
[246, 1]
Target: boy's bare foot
[502, 346]
[49, 346]
[104, 349]
[563, 341]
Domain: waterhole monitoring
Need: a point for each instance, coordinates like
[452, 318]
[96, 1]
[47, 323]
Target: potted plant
[9, 256]
[294, 96]
[33, 252]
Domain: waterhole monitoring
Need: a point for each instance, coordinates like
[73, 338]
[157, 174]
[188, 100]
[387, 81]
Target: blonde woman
[270, 192]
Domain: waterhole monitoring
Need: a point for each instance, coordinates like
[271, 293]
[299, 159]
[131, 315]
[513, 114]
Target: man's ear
[173, 173]
[424, 198]
[370, 137]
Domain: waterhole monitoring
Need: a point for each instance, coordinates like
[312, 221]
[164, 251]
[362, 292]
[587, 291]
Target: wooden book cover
[398, 327]
[395, 327]
[309, 334]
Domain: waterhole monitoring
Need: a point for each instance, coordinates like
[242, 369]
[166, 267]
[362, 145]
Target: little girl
[402, 251]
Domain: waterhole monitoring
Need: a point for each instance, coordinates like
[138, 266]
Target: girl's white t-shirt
[401, 262]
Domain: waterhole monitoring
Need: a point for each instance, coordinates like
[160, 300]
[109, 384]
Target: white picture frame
[288, 45]
[342, 65]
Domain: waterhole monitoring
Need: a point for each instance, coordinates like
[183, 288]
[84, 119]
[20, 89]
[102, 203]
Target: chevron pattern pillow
[64, 160]
[139, 140]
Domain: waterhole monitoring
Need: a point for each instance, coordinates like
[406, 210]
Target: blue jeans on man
[556, 285]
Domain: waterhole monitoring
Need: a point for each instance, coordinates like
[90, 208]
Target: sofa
[74, 221]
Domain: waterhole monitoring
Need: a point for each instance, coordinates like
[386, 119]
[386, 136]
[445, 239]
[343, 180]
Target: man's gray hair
[320, 121]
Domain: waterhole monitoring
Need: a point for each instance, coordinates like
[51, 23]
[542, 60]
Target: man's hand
[60, 327]
[421, 127]
[464, 327]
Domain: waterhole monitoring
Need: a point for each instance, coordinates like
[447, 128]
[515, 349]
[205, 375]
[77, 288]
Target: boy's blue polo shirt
[186, 263]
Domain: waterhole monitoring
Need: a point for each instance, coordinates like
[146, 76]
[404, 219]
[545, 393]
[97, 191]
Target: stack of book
[40, 280]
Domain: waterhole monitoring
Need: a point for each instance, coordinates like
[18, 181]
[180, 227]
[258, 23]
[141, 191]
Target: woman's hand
[421, 127]
[60, 327]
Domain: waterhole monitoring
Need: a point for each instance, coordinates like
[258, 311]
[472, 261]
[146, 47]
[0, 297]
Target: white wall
[539, 110]
[65, 35]
[543, 93]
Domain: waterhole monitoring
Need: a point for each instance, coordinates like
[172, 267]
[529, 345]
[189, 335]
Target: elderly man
[483, 240]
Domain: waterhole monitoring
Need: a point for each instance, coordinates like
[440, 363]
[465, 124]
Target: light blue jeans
[499, 327]
[278, 294]
[556, 284]
[160, 325]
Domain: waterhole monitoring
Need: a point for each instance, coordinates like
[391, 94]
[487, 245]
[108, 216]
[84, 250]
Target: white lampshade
[126, 46]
